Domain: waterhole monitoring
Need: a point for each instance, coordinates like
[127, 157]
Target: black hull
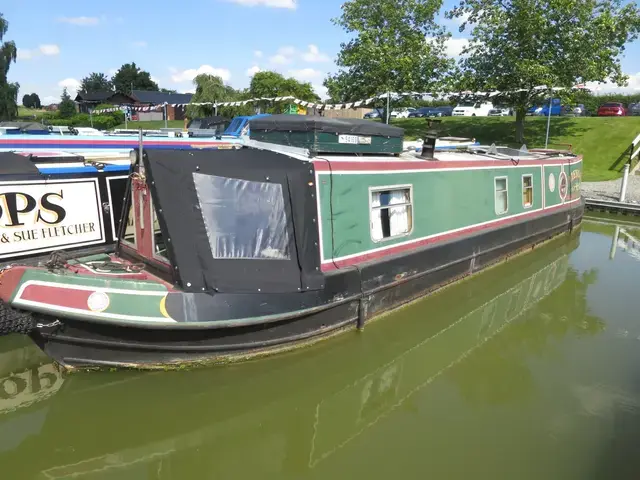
[353, 297]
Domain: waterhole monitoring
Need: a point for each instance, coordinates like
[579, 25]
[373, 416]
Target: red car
[612, 110]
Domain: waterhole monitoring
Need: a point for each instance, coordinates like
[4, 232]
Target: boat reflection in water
[293, 415]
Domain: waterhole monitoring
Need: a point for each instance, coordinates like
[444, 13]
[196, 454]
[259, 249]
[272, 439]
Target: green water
[530, 370]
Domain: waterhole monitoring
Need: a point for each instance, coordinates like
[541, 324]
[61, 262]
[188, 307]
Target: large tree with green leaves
[396, 46]
[96, 82]
[273, 84]
[8, 91]
[131, 77]
[521, 44]
[209, 88]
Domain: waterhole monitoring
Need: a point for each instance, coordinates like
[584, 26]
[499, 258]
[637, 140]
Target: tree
[396, 47]
[96, 82]
[209, 88]
[168, 90]
[8, 91]
[31, 100]
[272, 84]
[521, 44]
[67, 107]
[35, 101]
[131, 77]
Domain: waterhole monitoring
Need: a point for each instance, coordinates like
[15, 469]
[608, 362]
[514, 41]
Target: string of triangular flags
[338, 106]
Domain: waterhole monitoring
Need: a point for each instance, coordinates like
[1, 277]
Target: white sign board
[45, 215]
[354, 139]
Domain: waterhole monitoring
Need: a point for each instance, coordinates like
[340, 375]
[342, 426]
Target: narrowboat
[313, 228]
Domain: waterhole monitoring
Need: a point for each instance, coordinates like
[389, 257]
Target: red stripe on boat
[356, 259]
[337, 166]
[59, 296]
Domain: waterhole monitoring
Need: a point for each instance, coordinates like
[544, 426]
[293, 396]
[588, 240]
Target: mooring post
[614, 243]
[625, 179]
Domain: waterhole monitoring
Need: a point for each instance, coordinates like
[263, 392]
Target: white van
[472, 109]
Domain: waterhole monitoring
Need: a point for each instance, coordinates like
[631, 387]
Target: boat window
[159, 245]
[502, 195]
[130, 230]
[391, 212]
[527, 190]
[243, 219]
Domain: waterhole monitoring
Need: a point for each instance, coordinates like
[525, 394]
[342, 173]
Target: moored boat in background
[314, 227]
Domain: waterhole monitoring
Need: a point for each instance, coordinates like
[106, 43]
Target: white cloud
[313, 55]
[49, 50]
[112, 71]
[305, 74]
[49, 99]
[258, 53]
[190, 74]
[321, 90]
[24, 54]
[80, 21]
[139, 44]
[455, 46]
[633, 86]
[284, 56]
[253, 70]
[291, 4]
[71, 84]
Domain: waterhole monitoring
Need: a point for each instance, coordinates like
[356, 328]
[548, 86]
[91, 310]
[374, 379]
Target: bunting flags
[338, 106]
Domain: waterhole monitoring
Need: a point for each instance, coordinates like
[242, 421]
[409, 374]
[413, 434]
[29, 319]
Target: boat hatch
[229, 220]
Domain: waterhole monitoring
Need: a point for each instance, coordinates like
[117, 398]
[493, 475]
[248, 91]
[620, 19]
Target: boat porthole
[552, 183]
[98, 302]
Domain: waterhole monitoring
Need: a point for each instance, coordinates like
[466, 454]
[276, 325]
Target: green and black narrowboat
[314, 228]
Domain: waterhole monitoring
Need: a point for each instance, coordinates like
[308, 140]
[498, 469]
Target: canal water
[530, 370]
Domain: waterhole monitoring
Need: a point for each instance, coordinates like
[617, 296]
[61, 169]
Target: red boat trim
[335, 263]
[66, 297]
[340, 166]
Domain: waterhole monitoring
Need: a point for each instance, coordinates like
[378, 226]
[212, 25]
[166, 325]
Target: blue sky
[61, 42]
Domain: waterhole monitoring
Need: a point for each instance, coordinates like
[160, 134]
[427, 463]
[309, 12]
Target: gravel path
[610, 190]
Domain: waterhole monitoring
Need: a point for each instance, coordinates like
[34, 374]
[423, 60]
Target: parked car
[472, 109]
[634, 109]
[556, 108]
[575, 110]
[422, 112]
[401, 112]
[501, 112]
[375, 113]
[612, 109]
[445, 111]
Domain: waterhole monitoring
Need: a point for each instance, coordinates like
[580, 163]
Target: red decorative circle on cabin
[562, 188]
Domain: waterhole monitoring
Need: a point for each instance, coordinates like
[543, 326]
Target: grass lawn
[30, 112]
[153, 124]
[604, 141]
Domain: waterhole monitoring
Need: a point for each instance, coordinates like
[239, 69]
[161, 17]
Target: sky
[61, 42]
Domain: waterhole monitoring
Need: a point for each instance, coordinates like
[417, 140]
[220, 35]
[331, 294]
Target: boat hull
[367, 291]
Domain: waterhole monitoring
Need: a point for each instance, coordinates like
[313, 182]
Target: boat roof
[465, 153]
[314, 123]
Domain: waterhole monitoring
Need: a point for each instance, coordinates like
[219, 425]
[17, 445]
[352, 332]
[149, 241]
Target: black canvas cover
[14, 164]
[207, 122]
[312, 123]
[237, 220]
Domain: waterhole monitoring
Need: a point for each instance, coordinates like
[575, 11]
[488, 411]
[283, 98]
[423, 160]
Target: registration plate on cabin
[354, 139]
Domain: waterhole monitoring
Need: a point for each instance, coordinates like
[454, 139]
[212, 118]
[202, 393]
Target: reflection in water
[493, 368]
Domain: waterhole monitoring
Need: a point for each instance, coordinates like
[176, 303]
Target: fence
[633, 153]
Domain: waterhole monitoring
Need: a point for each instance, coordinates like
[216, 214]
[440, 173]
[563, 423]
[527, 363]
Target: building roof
[158, 98]
[93, 96]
